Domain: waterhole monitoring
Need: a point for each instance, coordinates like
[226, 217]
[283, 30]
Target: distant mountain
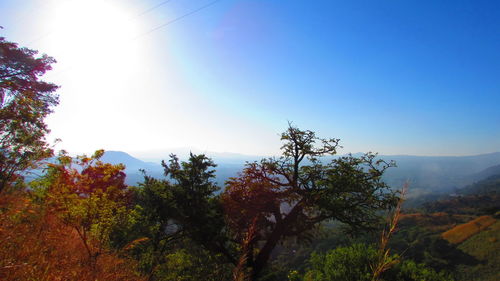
[486, 173]
[426, 174]
[228, 165]
[439, 173]
[131, 163]
[132, 166]
[479, 198]
[183, 153]
[487, 186]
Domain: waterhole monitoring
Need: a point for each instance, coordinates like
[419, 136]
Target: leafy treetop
[290, 195]
[25, 101]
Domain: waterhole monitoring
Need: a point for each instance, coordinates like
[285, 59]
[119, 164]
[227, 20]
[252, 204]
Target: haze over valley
[425, 174]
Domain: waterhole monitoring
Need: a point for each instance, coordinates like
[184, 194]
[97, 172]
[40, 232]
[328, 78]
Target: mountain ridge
[430, 173]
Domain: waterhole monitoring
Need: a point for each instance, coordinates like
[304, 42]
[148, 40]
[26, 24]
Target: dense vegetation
[298, 216]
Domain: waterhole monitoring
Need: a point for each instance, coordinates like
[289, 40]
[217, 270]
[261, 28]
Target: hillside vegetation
[485, 247]
[458, 233]
[462, 232]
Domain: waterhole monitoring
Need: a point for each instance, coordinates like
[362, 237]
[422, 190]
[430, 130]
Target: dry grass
[385, 261]
[36, 246]
[462, 232]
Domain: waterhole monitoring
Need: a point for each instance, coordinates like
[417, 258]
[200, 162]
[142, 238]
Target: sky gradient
[395, 77]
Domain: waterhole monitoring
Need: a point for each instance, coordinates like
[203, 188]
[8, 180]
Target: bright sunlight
[84, 32]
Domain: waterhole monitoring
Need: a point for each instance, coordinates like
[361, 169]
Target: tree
[179, 209]
[198, 210]
[344, 263]
[291, 195]
[36, 245]
[25, 101]
[87, 195]
[152, 231]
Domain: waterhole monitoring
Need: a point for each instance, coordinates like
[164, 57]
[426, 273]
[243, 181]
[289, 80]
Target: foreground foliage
[87, 195]
[37, 245]
[355, 263]
[178, 224]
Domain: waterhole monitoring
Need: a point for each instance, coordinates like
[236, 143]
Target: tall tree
[179, 208]
[290, 195]
[152, 230]
[25, 101]
[198, 211]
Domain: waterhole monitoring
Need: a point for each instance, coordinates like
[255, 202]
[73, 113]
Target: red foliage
[91, 198]
[95, 177]
[251, 199]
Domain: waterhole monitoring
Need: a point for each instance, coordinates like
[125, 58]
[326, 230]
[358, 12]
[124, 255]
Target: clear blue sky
[397, 77]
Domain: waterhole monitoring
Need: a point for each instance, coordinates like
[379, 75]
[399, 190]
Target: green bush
[355, 263]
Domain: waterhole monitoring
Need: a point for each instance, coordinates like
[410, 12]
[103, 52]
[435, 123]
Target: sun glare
[100, 65]
[84, 32]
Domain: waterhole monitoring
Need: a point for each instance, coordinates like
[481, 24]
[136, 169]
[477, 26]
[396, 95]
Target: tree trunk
[265, 253]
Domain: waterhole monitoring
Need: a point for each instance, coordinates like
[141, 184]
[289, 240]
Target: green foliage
[151, 225]
[192, 264]
[291, 195]
[172, 212]
[485, 247]
[342, 264]
[293, 255]
[410, 271]
[430, 249]
[198, 211]
[25, 101]
[356, 262]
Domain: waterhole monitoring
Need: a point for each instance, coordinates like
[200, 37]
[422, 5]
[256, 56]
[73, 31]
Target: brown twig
[385, 261]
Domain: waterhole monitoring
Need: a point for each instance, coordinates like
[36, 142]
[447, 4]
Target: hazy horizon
[157, 155]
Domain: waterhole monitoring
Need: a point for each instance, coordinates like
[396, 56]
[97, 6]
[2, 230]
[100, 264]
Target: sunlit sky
[395, 77]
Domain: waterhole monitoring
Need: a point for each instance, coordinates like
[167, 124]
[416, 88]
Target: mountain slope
[439, 173]
[132, 166]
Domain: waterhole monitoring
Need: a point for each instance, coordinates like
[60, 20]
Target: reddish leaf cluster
[251, 199]
[90, 177]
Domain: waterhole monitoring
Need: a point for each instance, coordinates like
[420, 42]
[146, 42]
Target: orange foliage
[37, 246]
[462, 232]
[96, 177]
[88, 195]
